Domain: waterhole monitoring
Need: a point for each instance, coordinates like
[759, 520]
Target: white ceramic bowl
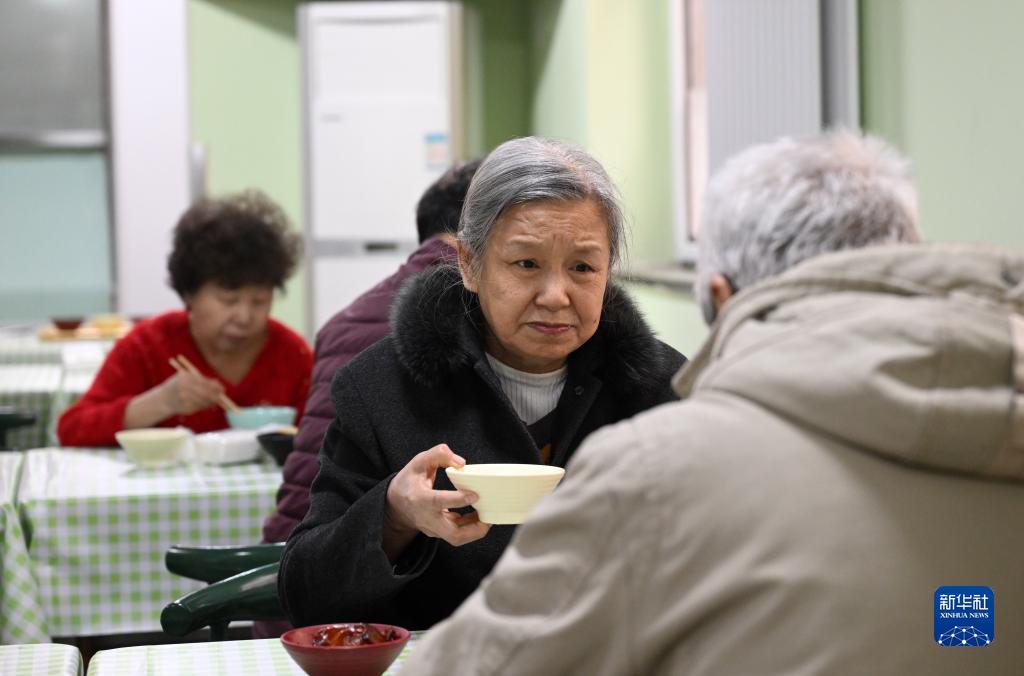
[154, 446]
[227, 446]
[507, 491]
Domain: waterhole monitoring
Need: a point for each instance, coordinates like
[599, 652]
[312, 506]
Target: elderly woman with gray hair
[515, 355]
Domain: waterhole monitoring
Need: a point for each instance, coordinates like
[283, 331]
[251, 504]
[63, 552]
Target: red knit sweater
[139, 361]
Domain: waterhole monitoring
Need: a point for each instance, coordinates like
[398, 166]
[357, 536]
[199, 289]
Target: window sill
[674, 275]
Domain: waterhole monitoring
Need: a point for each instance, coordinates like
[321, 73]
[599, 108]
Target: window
[749, 72]
[689, 120]
[54, 160]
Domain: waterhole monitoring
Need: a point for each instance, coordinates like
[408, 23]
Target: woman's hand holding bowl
[413, 506]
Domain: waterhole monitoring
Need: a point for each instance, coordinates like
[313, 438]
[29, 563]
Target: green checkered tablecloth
[23, 620]
[264, 657]
[100, 527]
[35, 659]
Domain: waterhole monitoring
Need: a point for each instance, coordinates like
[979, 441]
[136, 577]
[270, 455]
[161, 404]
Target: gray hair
[534, 169]
[775, 205]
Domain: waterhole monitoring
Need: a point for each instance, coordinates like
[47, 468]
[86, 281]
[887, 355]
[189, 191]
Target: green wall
[673, 316]
[497, 87]
[941, 80]
[938, 80]
[558, 70]
[245, 89]
[244, 102]
[629, 103]
[591, 71]
[601, 74]
[601, 78]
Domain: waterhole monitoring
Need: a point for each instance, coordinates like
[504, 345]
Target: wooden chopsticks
[182, 364]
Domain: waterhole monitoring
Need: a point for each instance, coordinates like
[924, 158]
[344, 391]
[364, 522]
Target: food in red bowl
[345, 649]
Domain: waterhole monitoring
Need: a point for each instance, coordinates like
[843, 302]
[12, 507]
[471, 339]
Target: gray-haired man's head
[775, 205]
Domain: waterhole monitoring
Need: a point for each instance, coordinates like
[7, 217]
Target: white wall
[150, 136]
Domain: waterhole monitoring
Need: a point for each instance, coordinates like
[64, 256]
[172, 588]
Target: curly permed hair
[234, 241]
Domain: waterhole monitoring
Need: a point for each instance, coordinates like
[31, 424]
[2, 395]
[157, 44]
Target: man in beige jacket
[850, 440]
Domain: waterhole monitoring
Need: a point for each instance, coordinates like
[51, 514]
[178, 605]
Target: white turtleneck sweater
[533, 395]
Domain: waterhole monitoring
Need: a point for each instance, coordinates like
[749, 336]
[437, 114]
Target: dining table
[261, 657]
[21, 614]
[32, 388]
[34, 659]
[21, 344]
[97, 529]
[44, 390]
[44, 377]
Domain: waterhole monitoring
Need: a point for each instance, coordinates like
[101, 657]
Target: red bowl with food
[67, 323]
[345, 649]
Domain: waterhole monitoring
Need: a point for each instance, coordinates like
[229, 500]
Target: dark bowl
[67, 323]
[277, 444]
[357, 660]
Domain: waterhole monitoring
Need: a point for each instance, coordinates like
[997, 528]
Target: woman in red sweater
[227, 259]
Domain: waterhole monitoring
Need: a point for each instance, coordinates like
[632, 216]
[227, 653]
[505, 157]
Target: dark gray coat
[428, 383]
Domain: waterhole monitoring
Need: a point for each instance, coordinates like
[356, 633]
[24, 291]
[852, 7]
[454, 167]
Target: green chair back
[242, 586]
[251, 595]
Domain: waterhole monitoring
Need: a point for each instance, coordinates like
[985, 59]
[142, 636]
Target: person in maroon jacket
[355, 328]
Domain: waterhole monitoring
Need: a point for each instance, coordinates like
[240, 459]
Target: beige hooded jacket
[852, 438]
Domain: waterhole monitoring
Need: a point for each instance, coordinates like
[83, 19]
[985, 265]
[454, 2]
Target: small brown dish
[67, 323]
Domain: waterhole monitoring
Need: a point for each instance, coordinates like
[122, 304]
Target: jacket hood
[912, 352]
[438, 329]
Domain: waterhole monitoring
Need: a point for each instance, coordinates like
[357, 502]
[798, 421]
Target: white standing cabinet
[381, 91]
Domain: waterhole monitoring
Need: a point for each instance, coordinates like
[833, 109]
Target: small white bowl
[507, 491]
[154, 446]
[226, 447]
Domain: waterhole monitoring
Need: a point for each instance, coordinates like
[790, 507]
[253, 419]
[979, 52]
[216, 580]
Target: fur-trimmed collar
[437, 328]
